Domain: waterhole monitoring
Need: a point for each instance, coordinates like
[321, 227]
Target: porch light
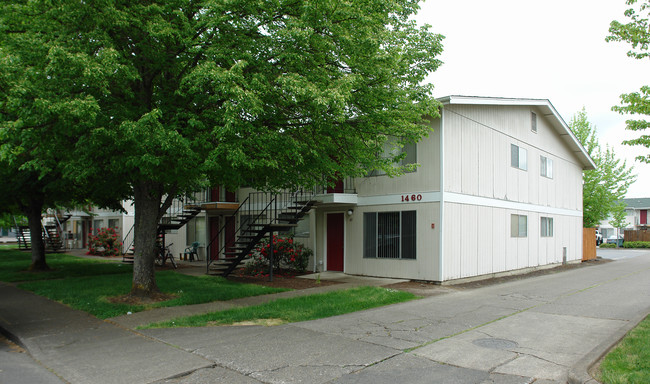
[350, 212]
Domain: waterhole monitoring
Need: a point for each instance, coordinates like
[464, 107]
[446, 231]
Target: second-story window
[518, 157]
[546, 167]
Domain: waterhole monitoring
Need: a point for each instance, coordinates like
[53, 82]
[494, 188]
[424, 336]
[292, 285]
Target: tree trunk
[146, 200]
[33, 213]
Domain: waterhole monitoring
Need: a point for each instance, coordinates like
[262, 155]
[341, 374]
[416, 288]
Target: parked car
[614, 239]
[599, 238]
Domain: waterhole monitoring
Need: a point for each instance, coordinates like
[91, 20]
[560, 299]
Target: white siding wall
[424, 267]
[477, 157]
[425, 179]
[477, 241]
[477, 238]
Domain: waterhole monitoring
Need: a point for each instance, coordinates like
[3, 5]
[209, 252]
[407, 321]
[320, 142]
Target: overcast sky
[553, 49]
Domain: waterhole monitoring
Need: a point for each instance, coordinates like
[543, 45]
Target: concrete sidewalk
[546, 329]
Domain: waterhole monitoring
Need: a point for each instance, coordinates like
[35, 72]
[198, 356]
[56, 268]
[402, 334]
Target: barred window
[389, 235]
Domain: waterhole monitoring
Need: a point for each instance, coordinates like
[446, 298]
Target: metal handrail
[265, 208]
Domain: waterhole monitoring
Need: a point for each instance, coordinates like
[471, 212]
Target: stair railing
[127, 240]
[260, 209]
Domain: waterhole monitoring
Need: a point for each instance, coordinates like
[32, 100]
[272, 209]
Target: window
[546, 167]
[97, 224]
[391, 149]
[113, 223]
[518, 226]
[533, 122]
[518, 157]
[389, 235]
[546, 225]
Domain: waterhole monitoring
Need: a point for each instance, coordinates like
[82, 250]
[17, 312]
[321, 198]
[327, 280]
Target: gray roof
[637, 203]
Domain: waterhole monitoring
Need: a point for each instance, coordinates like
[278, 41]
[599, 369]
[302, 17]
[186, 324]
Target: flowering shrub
[104, 243]
[287, 255]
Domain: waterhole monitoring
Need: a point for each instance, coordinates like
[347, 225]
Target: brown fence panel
[588, 244]
[637, 235]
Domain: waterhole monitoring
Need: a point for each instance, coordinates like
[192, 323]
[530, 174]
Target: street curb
[579, 373]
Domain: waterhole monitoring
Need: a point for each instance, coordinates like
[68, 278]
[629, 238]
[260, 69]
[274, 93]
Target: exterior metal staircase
[260, 214]
[52, 233]
[179, 213]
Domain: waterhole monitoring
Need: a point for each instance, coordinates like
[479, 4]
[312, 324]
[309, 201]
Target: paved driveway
[523, 331]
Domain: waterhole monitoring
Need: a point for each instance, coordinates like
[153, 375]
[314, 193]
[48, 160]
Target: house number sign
[410, 198]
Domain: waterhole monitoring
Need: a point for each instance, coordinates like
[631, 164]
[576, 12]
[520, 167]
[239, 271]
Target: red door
[337, 188]
[335, 241]
[214, 232]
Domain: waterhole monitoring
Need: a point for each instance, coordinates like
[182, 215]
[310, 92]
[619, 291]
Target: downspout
[312, 229]
[441, 226]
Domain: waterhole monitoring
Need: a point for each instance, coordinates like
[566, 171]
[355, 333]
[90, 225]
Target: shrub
[609, 245]
[104, 243]
[637, 244]
[288, 254]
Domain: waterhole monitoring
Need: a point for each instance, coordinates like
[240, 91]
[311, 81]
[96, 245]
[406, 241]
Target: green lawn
[629, 362]
[297, 309]
[87, 284]
[14, 265]
[91, 293]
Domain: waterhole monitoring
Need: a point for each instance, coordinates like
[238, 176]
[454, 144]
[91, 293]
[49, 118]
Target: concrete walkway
[546, 329]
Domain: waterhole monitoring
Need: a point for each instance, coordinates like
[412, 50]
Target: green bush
[637, 244]
[609, 245]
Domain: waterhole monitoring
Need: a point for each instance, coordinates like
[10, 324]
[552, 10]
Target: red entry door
[214, 232]
[335, 241]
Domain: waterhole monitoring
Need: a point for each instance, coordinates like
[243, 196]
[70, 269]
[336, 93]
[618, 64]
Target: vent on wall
[533, 122]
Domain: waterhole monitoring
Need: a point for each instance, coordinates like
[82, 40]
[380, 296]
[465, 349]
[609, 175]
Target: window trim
[407, 235]
[517, 223]
[516, 162]
[545, 167]
[546, 226]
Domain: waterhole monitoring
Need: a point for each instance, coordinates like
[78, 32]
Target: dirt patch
[139, 300]
[281, 281]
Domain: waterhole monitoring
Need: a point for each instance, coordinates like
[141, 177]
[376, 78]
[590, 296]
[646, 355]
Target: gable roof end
[545, 106]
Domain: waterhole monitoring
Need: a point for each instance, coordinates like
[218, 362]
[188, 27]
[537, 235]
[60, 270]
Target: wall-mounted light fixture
[350, 212]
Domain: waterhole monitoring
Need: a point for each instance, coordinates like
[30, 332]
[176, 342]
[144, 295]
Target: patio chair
[191, 252]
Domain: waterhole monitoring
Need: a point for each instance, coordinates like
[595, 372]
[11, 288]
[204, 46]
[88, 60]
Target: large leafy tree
[636, 32]
[41, 115]
[604, 186]
[268, 93]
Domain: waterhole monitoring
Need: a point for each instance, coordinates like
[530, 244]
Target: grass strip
[629, 362]
[14, 267]
[296, 309]
[91, 293]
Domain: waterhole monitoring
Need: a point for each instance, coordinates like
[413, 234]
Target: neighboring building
[499, 188]
[636, 210]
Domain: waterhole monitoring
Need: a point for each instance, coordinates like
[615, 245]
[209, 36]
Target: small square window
[518, 226]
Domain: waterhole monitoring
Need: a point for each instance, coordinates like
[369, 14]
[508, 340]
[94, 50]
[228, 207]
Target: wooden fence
[588, 244]
[636, 235]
